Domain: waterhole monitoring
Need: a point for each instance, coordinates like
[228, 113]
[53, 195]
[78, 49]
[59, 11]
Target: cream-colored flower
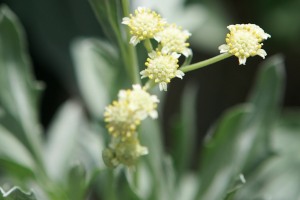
[243, 41]
[124, 152]
[144, 24]
[173, 39]
[140, 101]
[162, 67]
[123, 116]
[121, 120]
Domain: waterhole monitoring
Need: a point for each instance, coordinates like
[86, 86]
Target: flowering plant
[109, 144]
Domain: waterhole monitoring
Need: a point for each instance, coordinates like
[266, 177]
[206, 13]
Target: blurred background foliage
[54, 31]
[51, 25]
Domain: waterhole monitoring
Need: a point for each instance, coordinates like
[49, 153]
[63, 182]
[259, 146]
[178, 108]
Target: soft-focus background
[51, 26]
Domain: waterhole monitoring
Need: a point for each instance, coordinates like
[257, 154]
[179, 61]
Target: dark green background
[51, 26]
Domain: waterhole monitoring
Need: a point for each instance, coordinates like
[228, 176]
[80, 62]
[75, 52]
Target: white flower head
[243, 41]
[123, 116]
[140, 102]
[162, 67]
[173, 38]
[144, 24]
[121, 119]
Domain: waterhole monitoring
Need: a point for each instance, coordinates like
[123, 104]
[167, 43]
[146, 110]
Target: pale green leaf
[18, 90]
[95, 71]
[62, 140]
[279, 177]
[14, 155]
[16, 194]
[241, 142]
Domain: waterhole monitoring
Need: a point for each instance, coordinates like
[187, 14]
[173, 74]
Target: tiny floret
[121, 120]
[140, 102]
[243, 41]
[173, 39]
[123, 116]
[143, 24]
[162, 67]
[124, 152]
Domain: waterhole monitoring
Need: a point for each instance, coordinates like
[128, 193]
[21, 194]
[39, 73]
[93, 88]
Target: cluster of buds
[122, 118]
[162, 64]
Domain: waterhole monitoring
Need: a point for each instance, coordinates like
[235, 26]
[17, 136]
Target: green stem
[204, 63]
[131, 57]
[148, 45]
[125, 6]
[149, 84]
[111, 186]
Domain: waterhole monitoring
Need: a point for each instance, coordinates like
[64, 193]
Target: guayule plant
[124, 115]
[121, 121]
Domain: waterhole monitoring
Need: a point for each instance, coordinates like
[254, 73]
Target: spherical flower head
[162, 67]
[173, 39]
[121, 120]
[144, 24]
[140, 102]
[243, 41]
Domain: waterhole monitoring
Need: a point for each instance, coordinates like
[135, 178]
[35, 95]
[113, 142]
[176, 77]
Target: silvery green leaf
[16, 194]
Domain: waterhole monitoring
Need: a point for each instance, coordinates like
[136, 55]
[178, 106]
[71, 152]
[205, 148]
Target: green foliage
[242, 136]
[251, 140]
[16, 194]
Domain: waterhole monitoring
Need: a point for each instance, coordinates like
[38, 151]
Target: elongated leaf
[14, 155]
[16, 194]
[63, 135]
[184, 135]
[279, 177]
[94, 62]
[187, 188]
[244, 144]
[108, 15]
[151, 137]
[18, 90]
[218, 169]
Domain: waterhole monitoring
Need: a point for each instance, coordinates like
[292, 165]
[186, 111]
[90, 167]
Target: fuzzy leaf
[94, 64]
[16, 194]
[62, 142]
[241, 139]
[19, 93]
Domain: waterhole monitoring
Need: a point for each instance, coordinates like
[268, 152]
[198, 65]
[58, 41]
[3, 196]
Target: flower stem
[149, 84]
[204, 63]
[131, 58]
[148, 45]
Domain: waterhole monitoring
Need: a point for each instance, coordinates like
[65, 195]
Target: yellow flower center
[144, 24]
[243, 41]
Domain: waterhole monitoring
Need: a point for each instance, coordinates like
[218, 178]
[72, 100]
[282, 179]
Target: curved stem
[204, 63]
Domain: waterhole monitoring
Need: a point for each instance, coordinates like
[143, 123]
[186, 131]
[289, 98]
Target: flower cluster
[122, 118]
[162, 67]
[243, 41]
[146, 24]
[134, 105]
